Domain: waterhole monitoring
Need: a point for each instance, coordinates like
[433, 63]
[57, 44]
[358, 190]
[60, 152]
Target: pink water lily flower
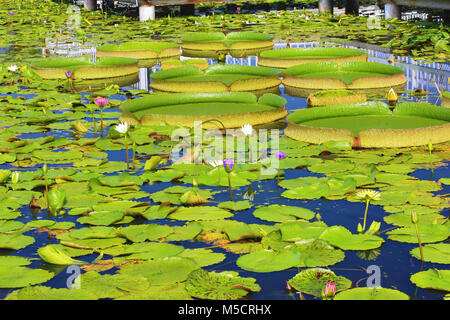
[101, 102]
[330, 289]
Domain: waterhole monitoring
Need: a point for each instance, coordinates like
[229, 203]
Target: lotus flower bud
[330, 291]
[228, 164]
[392, 97]
[414, 217]
[360, 228]
[44, 168]
[15, 177]
[374, 227]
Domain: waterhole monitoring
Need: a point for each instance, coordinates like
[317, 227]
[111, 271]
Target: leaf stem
[420, 242]
[128, 157]
[229, 187]
[365, 214]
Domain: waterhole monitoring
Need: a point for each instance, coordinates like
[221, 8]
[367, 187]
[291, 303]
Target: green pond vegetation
[110, 200]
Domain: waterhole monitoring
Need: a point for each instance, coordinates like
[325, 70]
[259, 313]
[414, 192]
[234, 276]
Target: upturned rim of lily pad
[430, 124]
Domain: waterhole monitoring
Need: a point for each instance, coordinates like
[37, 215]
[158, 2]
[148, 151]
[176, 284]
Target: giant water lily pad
[375, 293]
[372, 124]
[238, 44]
[148, 53]
[226, 285]
[289, 57]
[232, 109]
[216, 78]
[432, 279]
[348, 75]
[314, 281]
[83, 68]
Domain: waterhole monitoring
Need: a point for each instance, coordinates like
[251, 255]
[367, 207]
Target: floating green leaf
[314, 281]
[432, 279]
[375, 293]
[226, 285]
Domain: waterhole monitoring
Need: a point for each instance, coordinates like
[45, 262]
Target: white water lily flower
[215, 163]
[247, 129]
[13, 68]
[122, 127]
[15, 177]
[368, 194]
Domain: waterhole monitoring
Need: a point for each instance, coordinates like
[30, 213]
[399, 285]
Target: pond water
[393, 258]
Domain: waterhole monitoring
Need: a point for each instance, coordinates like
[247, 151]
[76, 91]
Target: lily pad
[162, 271]
[432, 279]
[317, 253]
[435, 253]
[187, 232]
[375, 293]
[269, 260]
[15, 241]
[16, 277]
[280, 213]
[226, 285]
[139, 233]
[311, 191]
[235, 205]
[203, 213]
[112, 286]
[47, 293]
[101, 218]
[342, 238]
[203, 257]
[301, 230]
[174, 291]
[313, 281]
[428, 233]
